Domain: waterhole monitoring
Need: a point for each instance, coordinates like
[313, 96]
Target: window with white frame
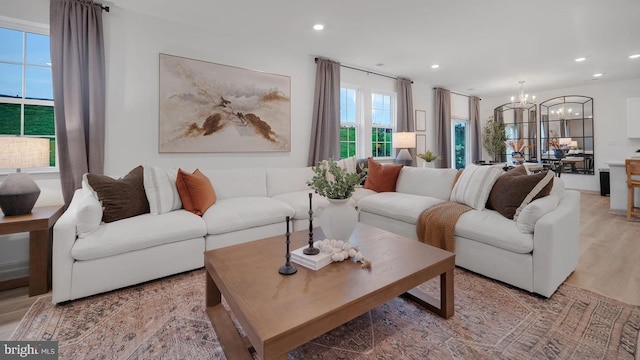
[366, 114]
[26, 91]
[348, 122]
[381, 125]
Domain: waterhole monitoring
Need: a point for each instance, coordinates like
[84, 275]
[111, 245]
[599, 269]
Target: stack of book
[313, 262]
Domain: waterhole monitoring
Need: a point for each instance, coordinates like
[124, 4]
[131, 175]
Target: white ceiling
[483, 47]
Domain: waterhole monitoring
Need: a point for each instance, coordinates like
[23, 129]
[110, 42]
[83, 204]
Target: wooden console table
[39, 225]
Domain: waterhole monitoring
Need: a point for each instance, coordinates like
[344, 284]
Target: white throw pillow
[89, 215]
[86, 187]
[348, 164]
[474, 185]
[536, 209]
[161, 190]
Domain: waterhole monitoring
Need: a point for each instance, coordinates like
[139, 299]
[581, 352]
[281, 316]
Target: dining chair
[633, 181]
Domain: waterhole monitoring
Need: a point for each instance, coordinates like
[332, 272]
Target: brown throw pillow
[121, 198]
[382, 178]
[196, 191]
[515, 189]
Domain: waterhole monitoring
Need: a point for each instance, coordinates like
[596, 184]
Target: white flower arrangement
[342, 250]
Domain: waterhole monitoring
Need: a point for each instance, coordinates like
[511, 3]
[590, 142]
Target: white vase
[428, 164]
[338, 219]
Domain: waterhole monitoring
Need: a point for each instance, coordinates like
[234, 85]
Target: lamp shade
[18, 152]
[404, 140]
[18, 191]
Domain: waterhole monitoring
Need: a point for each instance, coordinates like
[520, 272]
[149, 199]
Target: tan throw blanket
[436, 225]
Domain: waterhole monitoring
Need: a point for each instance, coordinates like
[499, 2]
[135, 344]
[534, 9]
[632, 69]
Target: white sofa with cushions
[252, 203]
[90, 256]
[536, 252]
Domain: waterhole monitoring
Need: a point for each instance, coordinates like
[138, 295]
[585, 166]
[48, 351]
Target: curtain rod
[91, 2]
[367, 71]
[453, 92]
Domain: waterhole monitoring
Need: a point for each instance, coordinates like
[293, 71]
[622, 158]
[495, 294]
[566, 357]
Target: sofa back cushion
[436, 183]
[287, 180]
[233, 183]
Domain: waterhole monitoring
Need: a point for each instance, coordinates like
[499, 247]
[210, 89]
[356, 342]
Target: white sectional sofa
[252, 203]
[536, 253]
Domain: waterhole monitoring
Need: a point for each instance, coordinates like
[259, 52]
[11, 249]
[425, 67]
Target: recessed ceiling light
[435, 66]
[581, 59]
[597, 75]
[634, 56]
[318, 27]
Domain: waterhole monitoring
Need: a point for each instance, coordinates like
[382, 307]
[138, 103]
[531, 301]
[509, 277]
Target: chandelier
[523, 98]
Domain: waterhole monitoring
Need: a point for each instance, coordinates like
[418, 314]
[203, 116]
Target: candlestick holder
[311, 250]
[287, 268]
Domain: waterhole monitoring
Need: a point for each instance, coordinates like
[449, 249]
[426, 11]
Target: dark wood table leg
[39, 261]
[443, 307]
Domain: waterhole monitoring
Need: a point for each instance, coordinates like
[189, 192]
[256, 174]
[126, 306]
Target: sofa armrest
[556, 239]
[64, 236]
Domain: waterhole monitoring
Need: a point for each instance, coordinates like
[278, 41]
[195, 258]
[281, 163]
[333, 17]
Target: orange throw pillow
[382, 178]
[196, 191]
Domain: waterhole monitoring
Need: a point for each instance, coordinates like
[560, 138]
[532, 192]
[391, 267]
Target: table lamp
[404, 141]
[18, 191]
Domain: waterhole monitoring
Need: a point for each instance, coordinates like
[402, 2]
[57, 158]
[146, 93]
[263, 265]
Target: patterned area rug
[166, 319]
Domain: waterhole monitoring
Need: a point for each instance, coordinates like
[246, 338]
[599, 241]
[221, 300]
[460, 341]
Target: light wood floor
[609, 251]
[609, 261]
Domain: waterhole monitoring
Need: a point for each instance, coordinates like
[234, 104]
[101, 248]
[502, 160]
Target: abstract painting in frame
[209, 107]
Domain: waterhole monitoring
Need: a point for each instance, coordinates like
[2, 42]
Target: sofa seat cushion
[489, 227]
[398, 206]
[361, 193]
[139, 232]
[299, 201]
[240, 213]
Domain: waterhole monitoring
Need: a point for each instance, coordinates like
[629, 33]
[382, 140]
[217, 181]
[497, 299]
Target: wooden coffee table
[281, 312]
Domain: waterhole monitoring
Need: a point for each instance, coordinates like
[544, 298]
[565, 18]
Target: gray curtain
[78, 69]
[325, 127]
[476, 128]
[443, 127]
[405, 121]
[519, 122]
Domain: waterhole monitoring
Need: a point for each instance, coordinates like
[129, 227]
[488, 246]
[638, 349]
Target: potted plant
[493, 137]
[334, 182]
[517, 148]
[558, 152]
[339, 218]
[429, 158]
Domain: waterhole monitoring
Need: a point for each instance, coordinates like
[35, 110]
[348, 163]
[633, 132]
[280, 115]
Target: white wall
[133, 42]
[610, 124]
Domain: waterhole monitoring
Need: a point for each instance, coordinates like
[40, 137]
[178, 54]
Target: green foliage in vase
[493, 137]
[429, 156]
[333, 181]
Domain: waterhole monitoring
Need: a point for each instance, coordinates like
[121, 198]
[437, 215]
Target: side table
[39, 224]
